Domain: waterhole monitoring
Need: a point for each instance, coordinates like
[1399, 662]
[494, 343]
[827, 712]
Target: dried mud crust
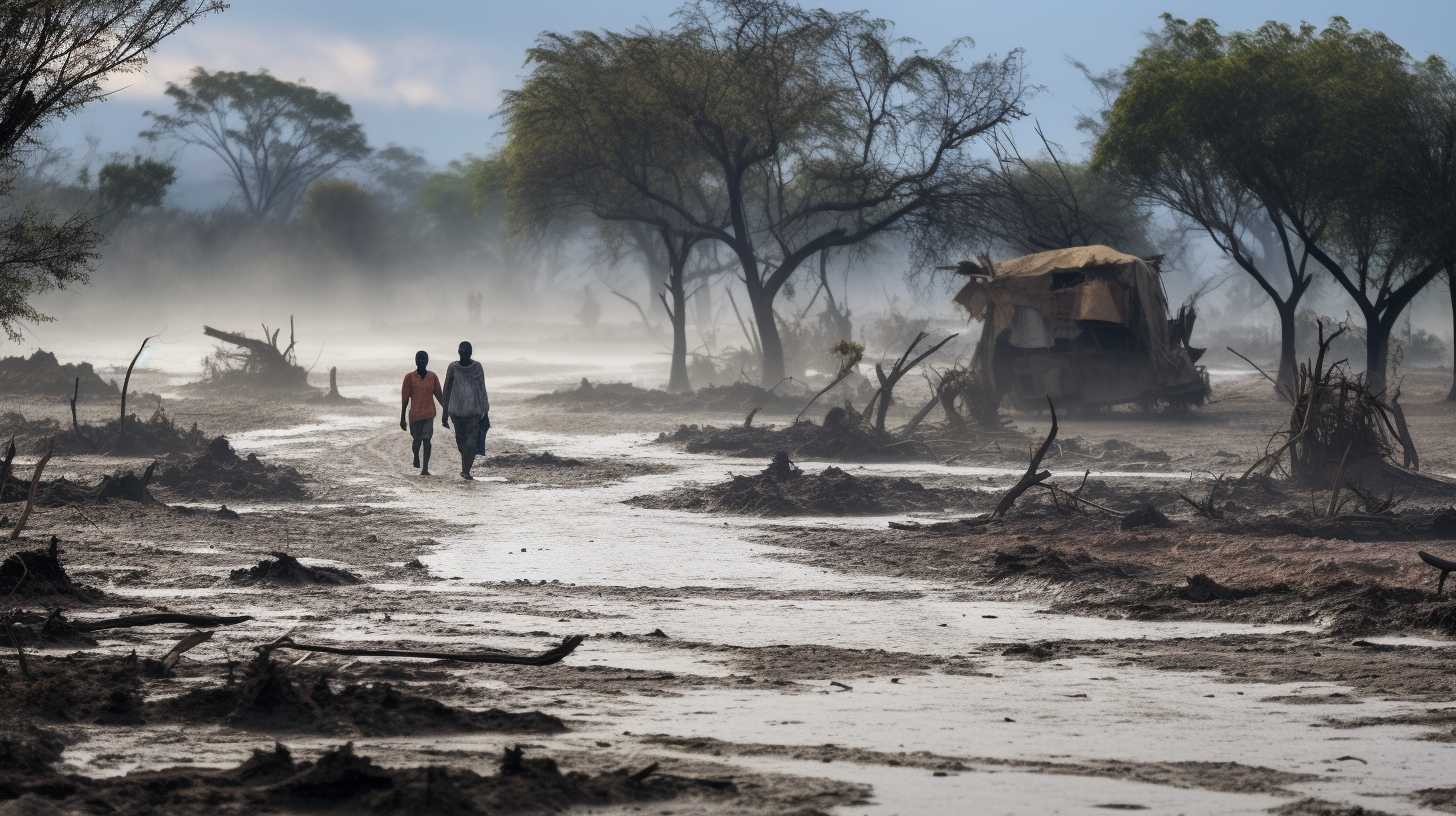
[1226, 777]
[783, 664]
[546, 469]
[617, 397]
[219, 473]
[343, 781]
[1403, 672]
[1195, 570]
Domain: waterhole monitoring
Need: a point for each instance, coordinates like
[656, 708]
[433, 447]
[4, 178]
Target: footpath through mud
[806, 664]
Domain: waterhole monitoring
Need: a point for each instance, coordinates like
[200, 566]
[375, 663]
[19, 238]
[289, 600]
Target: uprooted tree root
[219, 473]
[782, 489]
[342, 781]
[285, 570]
[270, 696]
[79, 688]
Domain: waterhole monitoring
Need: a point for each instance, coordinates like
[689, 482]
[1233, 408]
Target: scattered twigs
[34, 488]
[1339, 483]
[10, 627]
[546, 658]
[1032, 476]
[1445, 566]
[881, 400]
[1208, 505]
[850, 355]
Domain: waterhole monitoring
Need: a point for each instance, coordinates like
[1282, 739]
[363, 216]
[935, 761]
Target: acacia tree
[274, 137]
[125, 187]
[586, 138]
[1160, 135]
[819, 130]
[54, 59]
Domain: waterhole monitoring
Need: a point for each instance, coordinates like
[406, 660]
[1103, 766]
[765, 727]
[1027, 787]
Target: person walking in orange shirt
[417, 402]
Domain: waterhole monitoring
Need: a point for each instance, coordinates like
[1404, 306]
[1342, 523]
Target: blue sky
[428, 75]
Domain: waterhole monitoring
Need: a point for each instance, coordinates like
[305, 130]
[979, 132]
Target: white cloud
[405, 72]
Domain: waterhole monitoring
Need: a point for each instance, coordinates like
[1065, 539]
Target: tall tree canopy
[125, 187]
[815, 130]
[55, 56]
[1313, 130]
[274, 137]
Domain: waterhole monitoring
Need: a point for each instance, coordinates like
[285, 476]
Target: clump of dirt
[79, 688]
[342, 781]
[782, 489]
[42, 374]
[840, 437]
[270, 696]
[220, 473]
[285, 570]
[32, 575]
[546, 469]
[620, 397]
[1053, 565]
[29, 749]
[1143, 517]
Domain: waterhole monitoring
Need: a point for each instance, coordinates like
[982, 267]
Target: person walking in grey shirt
[468, 406]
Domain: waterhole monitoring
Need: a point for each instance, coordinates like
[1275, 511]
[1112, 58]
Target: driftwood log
[546, 658]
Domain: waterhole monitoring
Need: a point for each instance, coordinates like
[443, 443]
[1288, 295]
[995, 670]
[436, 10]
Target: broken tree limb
[1032, 476]
[1444, 565]
[546, 658]
[884, 395]
[34, 488]
[185, 645]
[126, 384]
[1411, 457]
[158, 619]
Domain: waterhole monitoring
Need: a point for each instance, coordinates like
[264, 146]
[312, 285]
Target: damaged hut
[1087, 326]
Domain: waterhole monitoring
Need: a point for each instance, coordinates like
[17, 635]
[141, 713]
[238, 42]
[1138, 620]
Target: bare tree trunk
[677, 381]
[1288, 348]
[1451, 289]
[1377, 354]
[771, 344]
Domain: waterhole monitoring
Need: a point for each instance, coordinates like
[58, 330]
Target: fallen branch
[883, 396]
[1442, 564]
[1032, 476]
[546, 658]
[185, 645]
[34, 487]
[158, 619]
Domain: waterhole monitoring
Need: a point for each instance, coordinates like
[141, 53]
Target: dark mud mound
[219, 473]
[157, 436]
[341, 781]
[36, 575]
[546, 469]
[80, 688]
[613, 397]
[28, 749]
[271, 697]
[1047, 564]
[285, 570]
[782, 489]
[839, 438]
[1076, 450]
[41, 374]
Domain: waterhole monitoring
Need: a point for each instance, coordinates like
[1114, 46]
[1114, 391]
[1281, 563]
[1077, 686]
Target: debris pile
[219, 473]
[341, 781]
[841, 437]
[782, 489]
[255, 363]
[285, 570]
[612, 397]
[270, 697]
[29, 575]
[78, 688]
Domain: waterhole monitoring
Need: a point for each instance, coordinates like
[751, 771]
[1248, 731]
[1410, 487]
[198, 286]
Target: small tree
[126, 187]
[274, 137]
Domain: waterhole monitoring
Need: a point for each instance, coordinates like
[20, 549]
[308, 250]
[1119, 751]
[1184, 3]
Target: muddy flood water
[719, 648]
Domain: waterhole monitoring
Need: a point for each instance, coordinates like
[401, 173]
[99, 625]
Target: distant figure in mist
[417, 408]
[467, 405]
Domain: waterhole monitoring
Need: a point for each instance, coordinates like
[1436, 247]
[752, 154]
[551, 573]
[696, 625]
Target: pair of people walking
[465, 402]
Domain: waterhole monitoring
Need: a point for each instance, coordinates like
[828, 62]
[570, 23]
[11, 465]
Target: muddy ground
[1052, 661]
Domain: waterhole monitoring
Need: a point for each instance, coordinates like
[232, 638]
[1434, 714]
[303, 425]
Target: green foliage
[347, 216]
[274, 137]
[126, 187]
